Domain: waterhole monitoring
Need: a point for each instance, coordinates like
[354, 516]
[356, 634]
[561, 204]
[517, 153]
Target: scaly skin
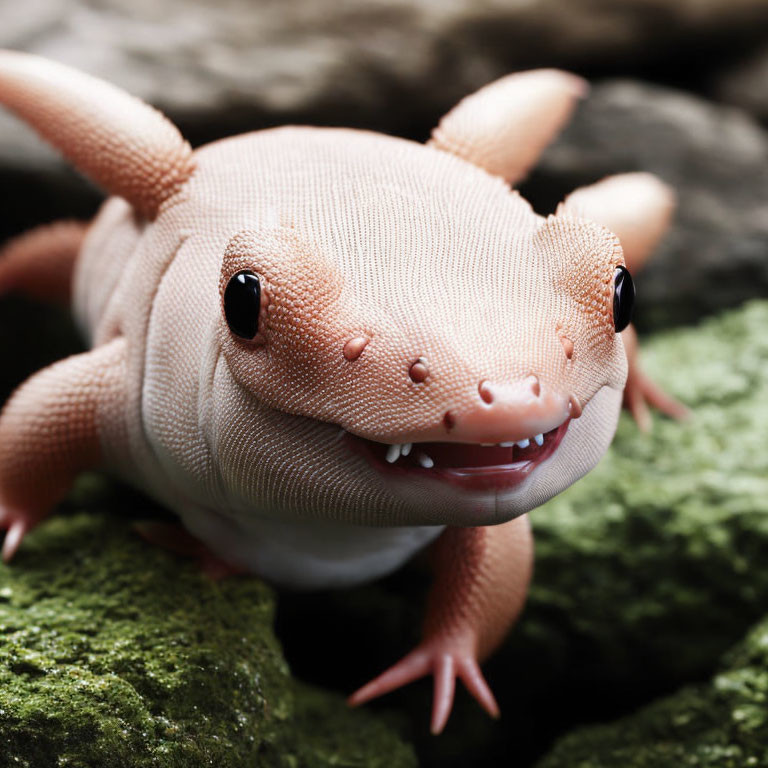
[413, 310]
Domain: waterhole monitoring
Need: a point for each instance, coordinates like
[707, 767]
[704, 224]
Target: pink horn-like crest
[122, 144]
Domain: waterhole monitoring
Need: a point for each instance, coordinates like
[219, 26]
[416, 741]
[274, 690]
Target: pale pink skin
[169, 399]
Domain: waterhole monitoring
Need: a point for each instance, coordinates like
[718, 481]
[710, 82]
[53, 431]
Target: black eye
[623, 298]
[242, 304]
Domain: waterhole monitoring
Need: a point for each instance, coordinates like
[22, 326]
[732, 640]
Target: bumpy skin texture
[144, 160]
[49, 432]
[410, 301]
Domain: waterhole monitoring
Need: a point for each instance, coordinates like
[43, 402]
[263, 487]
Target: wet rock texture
[113, 653]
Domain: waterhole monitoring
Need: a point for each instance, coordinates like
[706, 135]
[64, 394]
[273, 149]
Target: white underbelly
[308, 554]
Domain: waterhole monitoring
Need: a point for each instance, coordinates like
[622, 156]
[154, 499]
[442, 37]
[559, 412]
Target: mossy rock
[115, 653]
[723, 724]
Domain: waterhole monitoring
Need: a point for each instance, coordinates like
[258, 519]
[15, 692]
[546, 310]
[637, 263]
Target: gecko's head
[404, 341]
[451, 360]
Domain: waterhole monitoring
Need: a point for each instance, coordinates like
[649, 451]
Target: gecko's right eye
[242, 304]
[623, 298]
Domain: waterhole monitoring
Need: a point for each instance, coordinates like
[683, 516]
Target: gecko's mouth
[469, 466]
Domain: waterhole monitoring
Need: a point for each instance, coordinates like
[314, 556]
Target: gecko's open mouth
[469, 466]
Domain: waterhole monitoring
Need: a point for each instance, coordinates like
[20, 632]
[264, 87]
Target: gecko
[328, 349]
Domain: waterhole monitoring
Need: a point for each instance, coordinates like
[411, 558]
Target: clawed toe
[445, 666]
[16, 524]
[13, 537]
[642, 394]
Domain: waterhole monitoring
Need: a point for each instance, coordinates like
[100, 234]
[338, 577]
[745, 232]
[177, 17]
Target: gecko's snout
[503, 412]
[489, 391]
[491, 438]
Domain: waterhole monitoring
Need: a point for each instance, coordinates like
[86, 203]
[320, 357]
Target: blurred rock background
[642, 584]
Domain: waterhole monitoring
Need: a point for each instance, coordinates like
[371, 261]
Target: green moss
[114, 653]
[723, 724]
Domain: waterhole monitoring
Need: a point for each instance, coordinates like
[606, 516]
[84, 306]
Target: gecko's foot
[641, 393]
[174, 538]
[16, 523]
[445, 665]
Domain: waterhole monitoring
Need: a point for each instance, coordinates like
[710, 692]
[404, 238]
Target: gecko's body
[422, 349]
[158, 292]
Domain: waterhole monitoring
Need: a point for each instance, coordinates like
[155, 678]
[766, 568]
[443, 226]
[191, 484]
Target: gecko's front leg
[481, 581]
[50, 430]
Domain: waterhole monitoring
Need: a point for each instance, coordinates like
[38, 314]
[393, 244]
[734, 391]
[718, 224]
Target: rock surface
[659, 551]
[369, 58]
[745, 84]
[647, 570]
[723, 724]
[715, 158]
[114, 653]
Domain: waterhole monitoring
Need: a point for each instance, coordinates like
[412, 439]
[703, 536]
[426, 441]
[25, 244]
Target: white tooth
[406, 449]
[425, 461]
[506, 445]
[393, 453]
[523, 443]
[539, 439]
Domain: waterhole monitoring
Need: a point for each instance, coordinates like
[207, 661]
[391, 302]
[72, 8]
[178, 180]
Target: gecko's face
[399, 339]
[393, 380]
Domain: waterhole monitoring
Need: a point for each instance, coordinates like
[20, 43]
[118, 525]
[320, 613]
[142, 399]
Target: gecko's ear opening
[122, 144]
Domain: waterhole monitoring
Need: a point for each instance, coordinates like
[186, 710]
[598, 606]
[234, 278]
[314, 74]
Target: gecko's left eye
[242, 304]
[623, 298]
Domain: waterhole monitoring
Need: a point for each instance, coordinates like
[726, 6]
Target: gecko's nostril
[449, 421]
[567, 346]
[535, 385]
[486, 394]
